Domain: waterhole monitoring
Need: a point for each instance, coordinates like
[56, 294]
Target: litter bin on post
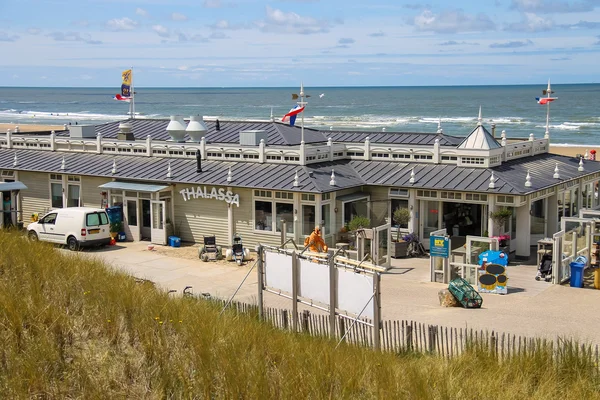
[577, 267]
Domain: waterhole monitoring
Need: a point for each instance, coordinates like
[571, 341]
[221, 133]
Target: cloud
[582, 25]
[598, 42]
[184, 38]
[531, 23]
[455, 43]
[289, 22]
[511, 45]
[346, 41]
[226, 25]
[161, 31]
[34, 31]
[452, 21]
[141, 12]
[178, 17]
[377, 34]
[553, 6]
[5, 37]
[72, 37]
[122, 24]
[218, 36]
[560, 59]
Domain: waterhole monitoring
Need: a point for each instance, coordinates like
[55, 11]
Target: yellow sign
[439, 242]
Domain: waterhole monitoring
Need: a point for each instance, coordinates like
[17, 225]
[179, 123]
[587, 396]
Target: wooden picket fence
[410, 336]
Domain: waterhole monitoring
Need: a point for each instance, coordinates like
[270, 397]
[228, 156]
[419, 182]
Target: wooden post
[284, 317]
[409, 334]
[342, 327]
[259, 270]
[294, 291]
[332, 294]
[376, 310]
[305, 320]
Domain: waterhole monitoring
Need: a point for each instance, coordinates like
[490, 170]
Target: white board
[314, 281]
[353, 292]
[278, 271]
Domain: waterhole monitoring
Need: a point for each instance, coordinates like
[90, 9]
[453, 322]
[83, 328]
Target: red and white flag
[545, 100]
[121, 98]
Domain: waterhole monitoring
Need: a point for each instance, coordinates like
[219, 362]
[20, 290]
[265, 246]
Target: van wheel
[32, 236]
[72, 243]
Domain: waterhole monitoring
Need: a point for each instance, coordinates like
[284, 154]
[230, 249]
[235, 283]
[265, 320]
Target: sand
[30, 127]
[565, 150]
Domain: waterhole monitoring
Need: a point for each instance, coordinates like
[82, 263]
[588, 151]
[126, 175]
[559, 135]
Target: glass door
[538, 220]
[158, 233]
[431, 220]
[131, 223]
[380, 245]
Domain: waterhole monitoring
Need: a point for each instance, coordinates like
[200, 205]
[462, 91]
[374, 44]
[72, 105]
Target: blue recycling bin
[577, 267]
[174, 241]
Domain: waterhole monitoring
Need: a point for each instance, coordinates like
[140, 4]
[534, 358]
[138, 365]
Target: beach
[562, 149]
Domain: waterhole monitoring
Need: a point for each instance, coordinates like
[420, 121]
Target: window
[96, 219]
[355, 154]
[263, 193]
[308, 197]
[472, 160]
[326, 218]
[49, 219]
[396, 204]
[422, 157]
[326, 196]
[56, 194]
[400, 155]
[355, 208]
[284, 195]
[132, 212]
[73, 196]
[449, 158]
[263, 215]
[251, 156]
[8, 174]
[399, 192]
[427, 193]
[308, 219]
[380, 155]
[285, 211]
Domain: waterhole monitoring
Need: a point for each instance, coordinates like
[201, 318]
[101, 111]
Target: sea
[574, 116]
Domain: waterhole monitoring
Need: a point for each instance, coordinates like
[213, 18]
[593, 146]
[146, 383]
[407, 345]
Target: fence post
[409, 334]
[305, 318]
[493, 343]
[332, 294]
[284, 316]
[260, 274]
[283, 230]
[376, 311]
[342, 327]
[432, 333]
[294, 291]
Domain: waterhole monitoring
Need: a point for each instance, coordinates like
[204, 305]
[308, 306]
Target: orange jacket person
[316, 242]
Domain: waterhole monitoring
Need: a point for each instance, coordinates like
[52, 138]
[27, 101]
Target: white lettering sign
[201, 192]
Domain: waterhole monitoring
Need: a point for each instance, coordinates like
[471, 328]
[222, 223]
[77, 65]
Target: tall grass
[73, 328]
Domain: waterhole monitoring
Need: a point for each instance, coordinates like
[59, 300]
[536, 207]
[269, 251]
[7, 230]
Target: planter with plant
[115, 229]
[501, 216]
[399, 246]
[356, 224]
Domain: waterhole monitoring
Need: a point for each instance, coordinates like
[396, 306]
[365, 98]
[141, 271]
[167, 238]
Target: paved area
[530, 308]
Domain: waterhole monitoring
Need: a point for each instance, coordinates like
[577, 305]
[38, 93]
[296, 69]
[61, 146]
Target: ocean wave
[563, 126]
[62, 116]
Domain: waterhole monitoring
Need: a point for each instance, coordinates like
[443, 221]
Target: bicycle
[415, 247]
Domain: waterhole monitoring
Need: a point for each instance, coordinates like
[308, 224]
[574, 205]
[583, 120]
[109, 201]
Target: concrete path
[530, 308]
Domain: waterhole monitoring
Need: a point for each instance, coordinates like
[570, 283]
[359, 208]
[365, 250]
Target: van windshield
[96, 219]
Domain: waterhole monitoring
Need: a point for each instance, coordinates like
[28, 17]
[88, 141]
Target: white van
[74, 226]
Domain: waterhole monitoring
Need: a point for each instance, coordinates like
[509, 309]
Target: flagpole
[547, 133]
[132, 96]
[302, 104]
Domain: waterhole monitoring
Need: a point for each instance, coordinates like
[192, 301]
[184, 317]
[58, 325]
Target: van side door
[48, 231]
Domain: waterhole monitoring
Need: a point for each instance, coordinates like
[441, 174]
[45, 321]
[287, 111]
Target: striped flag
[545, 100]
[291, 116]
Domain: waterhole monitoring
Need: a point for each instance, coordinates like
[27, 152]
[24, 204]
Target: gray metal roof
[410, 138]
[279, 134]
[8, 186]
[479, 139]
[137, 187]
[509, 177]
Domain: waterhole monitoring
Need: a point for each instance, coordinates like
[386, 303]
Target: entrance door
[158, 233]
[430, 210]
[146, 226]
[132, 224]
[538, 220]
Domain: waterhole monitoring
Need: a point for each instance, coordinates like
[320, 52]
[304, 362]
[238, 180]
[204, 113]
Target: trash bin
[577, 267]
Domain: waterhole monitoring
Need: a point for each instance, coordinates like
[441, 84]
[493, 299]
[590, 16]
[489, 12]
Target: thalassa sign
[202, 192]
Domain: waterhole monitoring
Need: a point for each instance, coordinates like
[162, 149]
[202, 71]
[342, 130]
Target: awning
[7, 186]
[134, 187]
[353, 196]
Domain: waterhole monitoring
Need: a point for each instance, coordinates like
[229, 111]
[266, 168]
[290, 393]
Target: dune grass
[73, 328]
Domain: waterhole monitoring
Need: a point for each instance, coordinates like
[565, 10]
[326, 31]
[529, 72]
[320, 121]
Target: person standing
[6, 211]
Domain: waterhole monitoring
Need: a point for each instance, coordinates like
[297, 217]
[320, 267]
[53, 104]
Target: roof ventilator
[125, 131]
[196, 129]
[176, 128]
[198, 161]
[252, 137]
[82, 132]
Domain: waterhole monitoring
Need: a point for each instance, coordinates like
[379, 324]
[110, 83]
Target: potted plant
[501, 216]
[115, 228]
[356, 224]
[401, 217]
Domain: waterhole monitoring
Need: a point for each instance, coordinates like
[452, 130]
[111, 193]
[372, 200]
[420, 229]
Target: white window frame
[273, 200]
[366, 197]
[60, 181]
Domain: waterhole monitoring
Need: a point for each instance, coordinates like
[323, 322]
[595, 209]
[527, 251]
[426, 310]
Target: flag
[121, 98]
[126, 75]
[545, 100]
[291, 116]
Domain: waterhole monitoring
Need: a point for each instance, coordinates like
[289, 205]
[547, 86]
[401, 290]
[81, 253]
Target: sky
[258, 43]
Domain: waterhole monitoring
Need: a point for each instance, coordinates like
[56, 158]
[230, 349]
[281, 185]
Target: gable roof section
[479, 139]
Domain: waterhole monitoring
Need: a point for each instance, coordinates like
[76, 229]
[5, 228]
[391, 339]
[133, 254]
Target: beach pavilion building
[245, 177]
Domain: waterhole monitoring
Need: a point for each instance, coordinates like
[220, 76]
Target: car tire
[33, 236]
[72, 243]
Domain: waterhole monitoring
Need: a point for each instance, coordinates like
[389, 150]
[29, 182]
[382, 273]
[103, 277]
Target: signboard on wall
[202, 192]
[439, 246]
